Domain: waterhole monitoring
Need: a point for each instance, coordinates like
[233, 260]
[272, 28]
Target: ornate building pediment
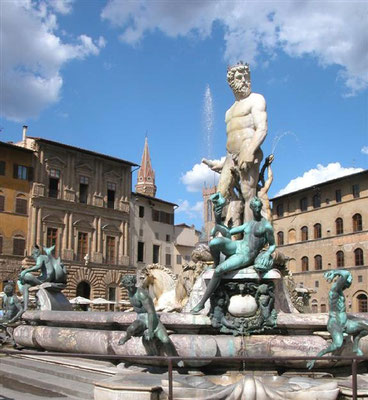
[111, 175]
[53, 219]
[84, 169]
[55, 162]
[110, 228]
[84, 225]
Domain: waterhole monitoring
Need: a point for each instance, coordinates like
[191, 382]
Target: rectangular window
[2, 167]
[168, 260]
[157, 236]
[156, 254]
[52, 235]
[140, 255]
[187, 258]
[111, 189]
[141, 211]
[21, 206]
[22, 172]
[110, 249]
[323, 308]
[82, 250]
[19, 245]
[338, 196]
[280, 210]
[360, 278]
[168, 238]
[356, 191]
[316, 284]
[155, 215]
[83, 189]
[111, 296]
[178, 259]
[304, 204]
[2, 203]
[54, 178]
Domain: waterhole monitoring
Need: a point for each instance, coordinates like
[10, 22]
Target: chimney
[25, 127]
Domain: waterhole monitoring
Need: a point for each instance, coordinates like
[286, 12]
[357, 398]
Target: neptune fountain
[239, 306]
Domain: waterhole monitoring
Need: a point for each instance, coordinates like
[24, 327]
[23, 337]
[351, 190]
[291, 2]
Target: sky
[104, 74]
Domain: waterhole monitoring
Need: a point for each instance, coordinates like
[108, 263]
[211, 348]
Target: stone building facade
[80, 202]
[326, 227]
[16, 176]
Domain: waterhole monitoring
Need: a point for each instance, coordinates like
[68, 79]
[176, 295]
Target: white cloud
[33, 54]
[317, 175]
[334, 32]
[364, 150]
[199, 176]
[190, 211]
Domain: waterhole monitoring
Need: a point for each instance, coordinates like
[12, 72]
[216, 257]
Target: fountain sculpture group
[244, 292]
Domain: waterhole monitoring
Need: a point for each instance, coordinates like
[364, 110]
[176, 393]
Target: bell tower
[146, 175]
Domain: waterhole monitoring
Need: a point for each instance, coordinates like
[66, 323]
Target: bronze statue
[148, 323]
[338, 321]
[52, 270]
[246, 252]
[12, 307]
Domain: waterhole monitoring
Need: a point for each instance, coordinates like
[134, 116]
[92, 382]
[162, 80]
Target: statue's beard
[241, 89]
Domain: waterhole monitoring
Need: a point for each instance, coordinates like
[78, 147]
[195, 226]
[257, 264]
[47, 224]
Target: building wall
[294, 219]
[186, 238]
[12, 223]
[97, 219]
[150, 232]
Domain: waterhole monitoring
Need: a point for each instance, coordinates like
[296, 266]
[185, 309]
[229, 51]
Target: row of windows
[362, 304]
[316, 200]
[19, 171]
[156, 255]
[340, 260]
[158, 216]
[20, 206]
[357, 225]
[54, 189]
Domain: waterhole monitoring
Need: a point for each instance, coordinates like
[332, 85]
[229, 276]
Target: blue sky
[103, 74]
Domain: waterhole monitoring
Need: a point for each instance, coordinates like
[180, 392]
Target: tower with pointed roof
[146, 175]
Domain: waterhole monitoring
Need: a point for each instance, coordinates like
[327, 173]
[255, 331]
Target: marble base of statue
[49, 297]
[243, 304]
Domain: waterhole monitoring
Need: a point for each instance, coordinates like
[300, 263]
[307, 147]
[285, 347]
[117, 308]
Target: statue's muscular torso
[254, 238]
[240, 125]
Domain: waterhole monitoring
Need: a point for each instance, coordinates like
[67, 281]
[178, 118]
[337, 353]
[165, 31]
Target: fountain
[251, 311]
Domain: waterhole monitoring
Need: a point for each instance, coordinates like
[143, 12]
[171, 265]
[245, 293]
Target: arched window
[280, 238]
[358, 254]
[291, 236]
[305, 264]
[317, 231]
[362, 303]
[317, 200]
[323, 308]
[317, 262]
[19, 245]
[304, 231]
[314, 306]
[340, 261]
[339, 226]
[280, 210]
[357, 223]
[21, 204]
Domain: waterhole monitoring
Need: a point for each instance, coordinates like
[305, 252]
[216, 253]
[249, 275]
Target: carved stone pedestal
[243, 303]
